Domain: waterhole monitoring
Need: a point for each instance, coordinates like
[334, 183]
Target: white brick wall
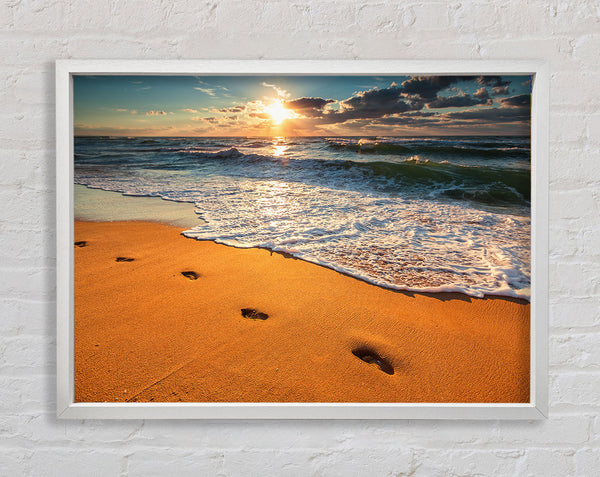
[34, 33]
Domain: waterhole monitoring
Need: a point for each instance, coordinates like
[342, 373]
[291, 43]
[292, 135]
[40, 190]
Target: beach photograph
[302, 238]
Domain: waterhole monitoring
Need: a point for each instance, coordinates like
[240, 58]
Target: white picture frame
[537, 408]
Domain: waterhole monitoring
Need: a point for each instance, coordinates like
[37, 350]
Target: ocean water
[423, 214]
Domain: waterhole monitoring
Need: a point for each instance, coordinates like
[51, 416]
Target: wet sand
[201, 322]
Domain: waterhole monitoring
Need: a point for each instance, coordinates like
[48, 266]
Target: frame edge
[537, 408]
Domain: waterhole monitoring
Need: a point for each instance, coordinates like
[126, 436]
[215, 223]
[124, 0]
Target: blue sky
[301, 105]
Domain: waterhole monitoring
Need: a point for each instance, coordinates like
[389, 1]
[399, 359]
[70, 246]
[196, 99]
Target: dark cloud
[409, 119]
[403, 105]
[458, 101]
[494, 81]
[481, 93]
[307, 103]
[501, 114]
[387, 99]
[519, 101]
[427, 87]
[500, 90]
[369, 111]
[375, 103]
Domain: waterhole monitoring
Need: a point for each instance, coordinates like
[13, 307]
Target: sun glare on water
[279, 113]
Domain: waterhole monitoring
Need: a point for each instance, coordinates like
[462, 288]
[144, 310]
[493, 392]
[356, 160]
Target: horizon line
[320, 135]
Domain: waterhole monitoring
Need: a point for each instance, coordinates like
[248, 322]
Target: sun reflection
[279, 146]
[279, 150]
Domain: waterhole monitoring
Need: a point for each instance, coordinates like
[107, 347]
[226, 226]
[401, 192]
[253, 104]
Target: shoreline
[146, 332]
[407, 291]
[182, 214]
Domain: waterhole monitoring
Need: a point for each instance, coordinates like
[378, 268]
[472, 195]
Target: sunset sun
[279, 113]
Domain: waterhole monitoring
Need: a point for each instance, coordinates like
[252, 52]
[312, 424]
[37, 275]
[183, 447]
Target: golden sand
[146, 331]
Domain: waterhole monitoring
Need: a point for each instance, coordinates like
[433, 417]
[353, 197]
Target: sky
[301, 105]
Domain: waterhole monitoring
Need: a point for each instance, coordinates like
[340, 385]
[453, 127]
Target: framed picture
[302, 239]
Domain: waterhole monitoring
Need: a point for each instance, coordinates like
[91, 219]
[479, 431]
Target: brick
[25, 317]
[43, 15]
[325, 15]
[585, 48]
[23, 355]
[96, 15]
[575, 350]
[563, 93]
[593, 128]
[362, 461]
[570, 390]
[567, 128]
[380, 17]
[22, 394]
[134, 48]
[33, 284]
[15, 462]
[478, 462]
[65, 462]
[587, 461]
[432, 16]
[547, 462]
[574, 204]
[575, 166]
[166, 461]
[579, 279]
[575, 312]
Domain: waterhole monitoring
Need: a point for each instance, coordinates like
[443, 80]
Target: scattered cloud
[188, 110]
[233, 109]
[155, 113]
[500, 90]
[481, 93]
[282, 93]
[208, 91]
[492, 80]
[260, 115]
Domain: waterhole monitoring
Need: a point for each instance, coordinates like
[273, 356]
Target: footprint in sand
[125, 259]
[191, 275]
[373, 358]
[253, 314]
[81, 243]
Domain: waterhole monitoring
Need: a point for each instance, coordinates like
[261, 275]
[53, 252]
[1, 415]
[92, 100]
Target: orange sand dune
[145, 332]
